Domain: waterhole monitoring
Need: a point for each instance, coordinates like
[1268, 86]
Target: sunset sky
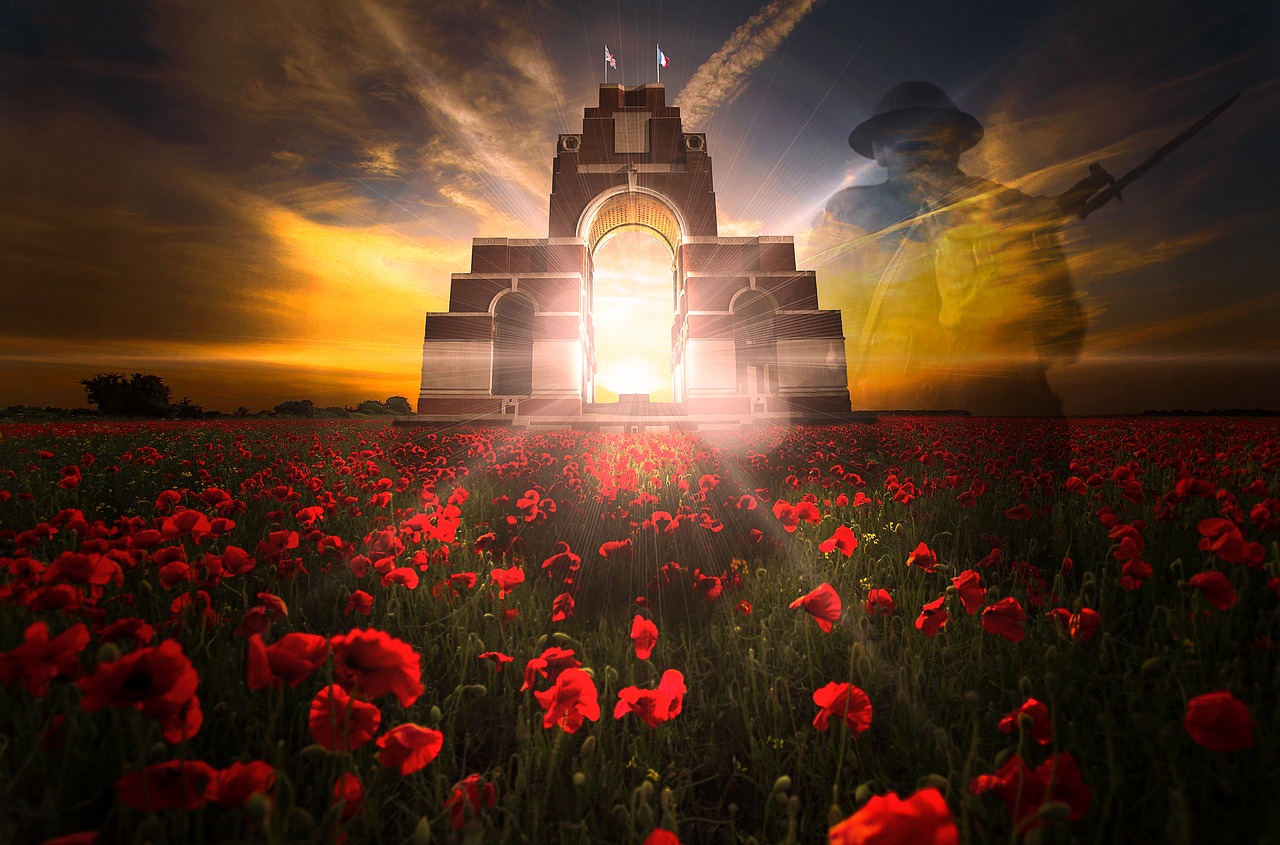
[258, 201]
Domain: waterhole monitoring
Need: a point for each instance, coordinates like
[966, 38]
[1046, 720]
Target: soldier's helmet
[908, 106]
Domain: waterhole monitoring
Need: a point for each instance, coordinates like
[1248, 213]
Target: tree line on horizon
[144, 395]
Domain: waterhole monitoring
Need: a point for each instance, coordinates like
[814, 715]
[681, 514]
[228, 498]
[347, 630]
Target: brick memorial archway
[748, 341]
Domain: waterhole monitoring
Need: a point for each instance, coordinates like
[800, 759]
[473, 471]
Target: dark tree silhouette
[140, 395]
[398, 405]
[296, 408]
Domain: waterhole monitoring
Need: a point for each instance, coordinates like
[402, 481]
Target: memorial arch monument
[748, 341]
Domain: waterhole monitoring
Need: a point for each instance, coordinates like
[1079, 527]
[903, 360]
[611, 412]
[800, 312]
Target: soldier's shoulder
[869, 207]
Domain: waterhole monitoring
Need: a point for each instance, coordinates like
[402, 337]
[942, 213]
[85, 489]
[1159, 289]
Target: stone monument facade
[748, 340]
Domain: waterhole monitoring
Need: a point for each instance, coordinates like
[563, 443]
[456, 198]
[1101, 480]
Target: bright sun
[632, 375]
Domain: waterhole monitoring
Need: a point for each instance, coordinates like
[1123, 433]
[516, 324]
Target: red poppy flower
[359, 602]
[497, 657]
[562, 607]
[661, 836]
[409, 747]
[348, 789]
[932, 617]
[94, 569]
[291, 660]
[653, 706]
[562, 564]
[1223, 538]
[924, 558]
[572, 699]
[921, 818]
[374, 662]
[236, 561]
[40, 659]
[1022, 512]
[617, 550]
[879, 603]
[823, 604]
[507, 579]
[232, 786]
[277, 543]
[644, 635]
[174, 783]
[340, 722]
[1040, 731]
[743, 607]
[969, 585]
[1081, 626]
[1219, 721]
[844, 701]
[1075, 484]
[1005, 618]
[186, 523]
[160, 681]
[843, 539]
[549, 664]
[1023, 791]
[470, 796]
[1215, 587]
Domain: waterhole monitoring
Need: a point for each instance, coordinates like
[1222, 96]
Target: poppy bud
[258, 807]
[434, 715]
[782, 785]
[862, 794]
[158, 751]
[314, 751]
[588, 746]
[422, 833]
[644, 816]
[1052, 683]
[1024, 686]
[579, 780]
[1152, 665]
[1054, 811]
[935, 780]
[480, 690]
[108, 653]
[644, 792]
[834, 816]
[973, 701]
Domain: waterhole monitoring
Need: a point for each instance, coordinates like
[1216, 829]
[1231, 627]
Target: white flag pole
[658, 59]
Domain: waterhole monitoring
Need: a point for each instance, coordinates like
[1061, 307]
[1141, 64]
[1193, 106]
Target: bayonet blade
[1104, 196]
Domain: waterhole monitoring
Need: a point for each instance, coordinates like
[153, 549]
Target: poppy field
[927, 630]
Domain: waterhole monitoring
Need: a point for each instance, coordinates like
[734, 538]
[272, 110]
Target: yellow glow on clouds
[366, 289]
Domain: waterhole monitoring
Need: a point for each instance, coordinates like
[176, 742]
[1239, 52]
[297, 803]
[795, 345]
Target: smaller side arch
[755, 340]
[512, 368]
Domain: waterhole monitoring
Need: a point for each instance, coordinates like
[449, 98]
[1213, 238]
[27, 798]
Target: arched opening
[633, 279]
[512, 345]
[754, 344]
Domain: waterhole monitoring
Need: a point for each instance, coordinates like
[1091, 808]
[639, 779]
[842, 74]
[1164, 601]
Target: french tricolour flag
[662, 59]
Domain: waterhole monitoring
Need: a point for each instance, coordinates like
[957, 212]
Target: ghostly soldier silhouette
[954, 288]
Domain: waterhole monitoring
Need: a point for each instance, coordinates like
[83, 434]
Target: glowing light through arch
[633, 312]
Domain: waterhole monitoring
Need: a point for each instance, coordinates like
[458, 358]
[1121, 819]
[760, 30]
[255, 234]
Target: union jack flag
[608, 57]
